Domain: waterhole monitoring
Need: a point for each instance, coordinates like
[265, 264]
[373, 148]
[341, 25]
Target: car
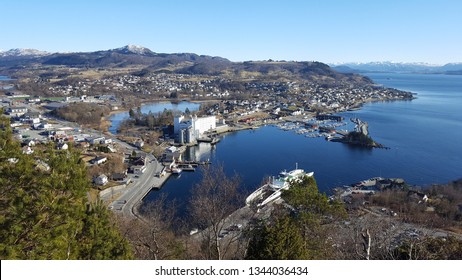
[223, 234]
[235, 227]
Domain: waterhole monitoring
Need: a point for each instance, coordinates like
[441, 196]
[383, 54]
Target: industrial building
[188, 129]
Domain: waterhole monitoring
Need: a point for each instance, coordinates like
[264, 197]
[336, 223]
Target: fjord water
[117, 119]
[424, 136]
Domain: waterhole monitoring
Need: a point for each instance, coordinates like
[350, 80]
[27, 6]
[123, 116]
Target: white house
[62, 146]
[98, 160]
[101, 180]
[139, 143]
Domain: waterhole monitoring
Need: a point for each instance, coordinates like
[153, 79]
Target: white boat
[176, 170]
[273, 189]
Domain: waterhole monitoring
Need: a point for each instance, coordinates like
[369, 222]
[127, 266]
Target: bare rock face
[364, 128]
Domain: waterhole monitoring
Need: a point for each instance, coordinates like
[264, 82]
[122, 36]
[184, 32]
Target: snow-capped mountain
[389, 66]
[23, 52]
[134, 49]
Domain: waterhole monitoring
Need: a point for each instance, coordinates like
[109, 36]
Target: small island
[359, 137]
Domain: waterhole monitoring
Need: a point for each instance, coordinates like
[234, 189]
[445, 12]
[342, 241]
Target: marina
[312, 128]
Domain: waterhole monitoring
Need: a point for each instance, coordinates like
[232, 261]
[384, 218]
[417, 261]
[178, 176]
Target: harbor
[326, 126]
[278, 144]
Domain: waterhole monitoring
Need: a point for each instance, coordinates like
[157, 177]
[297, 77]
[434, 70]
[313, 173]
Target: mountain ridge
[180, 63]
[23, 52]
[397, 67]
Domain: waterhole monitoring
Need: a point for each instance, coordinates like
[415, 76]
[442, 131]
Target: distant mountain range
[196, 64]
[119, 57]
[450, 68]
[23, 53]
[148, 61]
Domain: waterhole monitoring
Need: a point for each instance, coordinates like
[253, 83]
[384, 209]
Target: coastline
[132, 205]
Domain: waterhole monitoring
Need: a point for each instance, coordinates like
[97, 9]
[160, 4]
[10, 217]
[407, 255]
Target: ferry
[273, 189]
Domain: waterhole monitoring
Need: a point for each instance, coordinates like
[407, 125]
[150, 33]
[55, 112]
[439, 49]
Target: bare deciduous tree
[153, 236]
[214, 199]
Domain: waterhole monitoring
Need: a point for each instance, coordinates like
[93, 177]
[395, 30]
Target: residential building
[137, 165]
[16, 111]
[119, 176]
[98, 160]
[101, 180]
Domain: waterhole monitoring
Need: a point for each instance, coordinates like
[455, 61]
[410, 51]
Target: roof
[100, 158]
[118, 176]
[171, 149]
[54, 105]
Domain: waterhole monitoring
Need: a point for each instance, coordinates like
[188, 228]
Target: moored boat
[273, 189]
[176, 170]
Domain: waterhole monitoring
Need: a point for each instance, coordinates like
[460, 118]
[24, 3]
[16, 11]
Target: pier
[193, 163]
[329, 117]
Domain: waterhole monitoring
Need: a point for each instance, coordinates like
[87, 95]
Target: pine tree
[280, 240]
[43, 211]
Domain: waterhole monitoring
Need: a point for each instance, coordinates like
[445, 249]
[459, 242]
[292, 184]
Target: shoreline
[136, 201]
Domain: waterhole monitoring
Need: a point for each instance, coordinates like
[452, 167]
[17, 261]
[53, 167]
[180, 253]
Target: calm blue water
[4, 78]
[424, 136]
[116, 119]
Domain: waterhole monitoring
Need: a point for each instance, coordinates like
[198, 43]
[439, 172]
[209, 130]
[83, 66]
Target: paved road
[132, 196]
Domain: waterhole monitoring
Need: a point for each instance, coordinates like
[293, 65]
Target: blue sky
[323, 30]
